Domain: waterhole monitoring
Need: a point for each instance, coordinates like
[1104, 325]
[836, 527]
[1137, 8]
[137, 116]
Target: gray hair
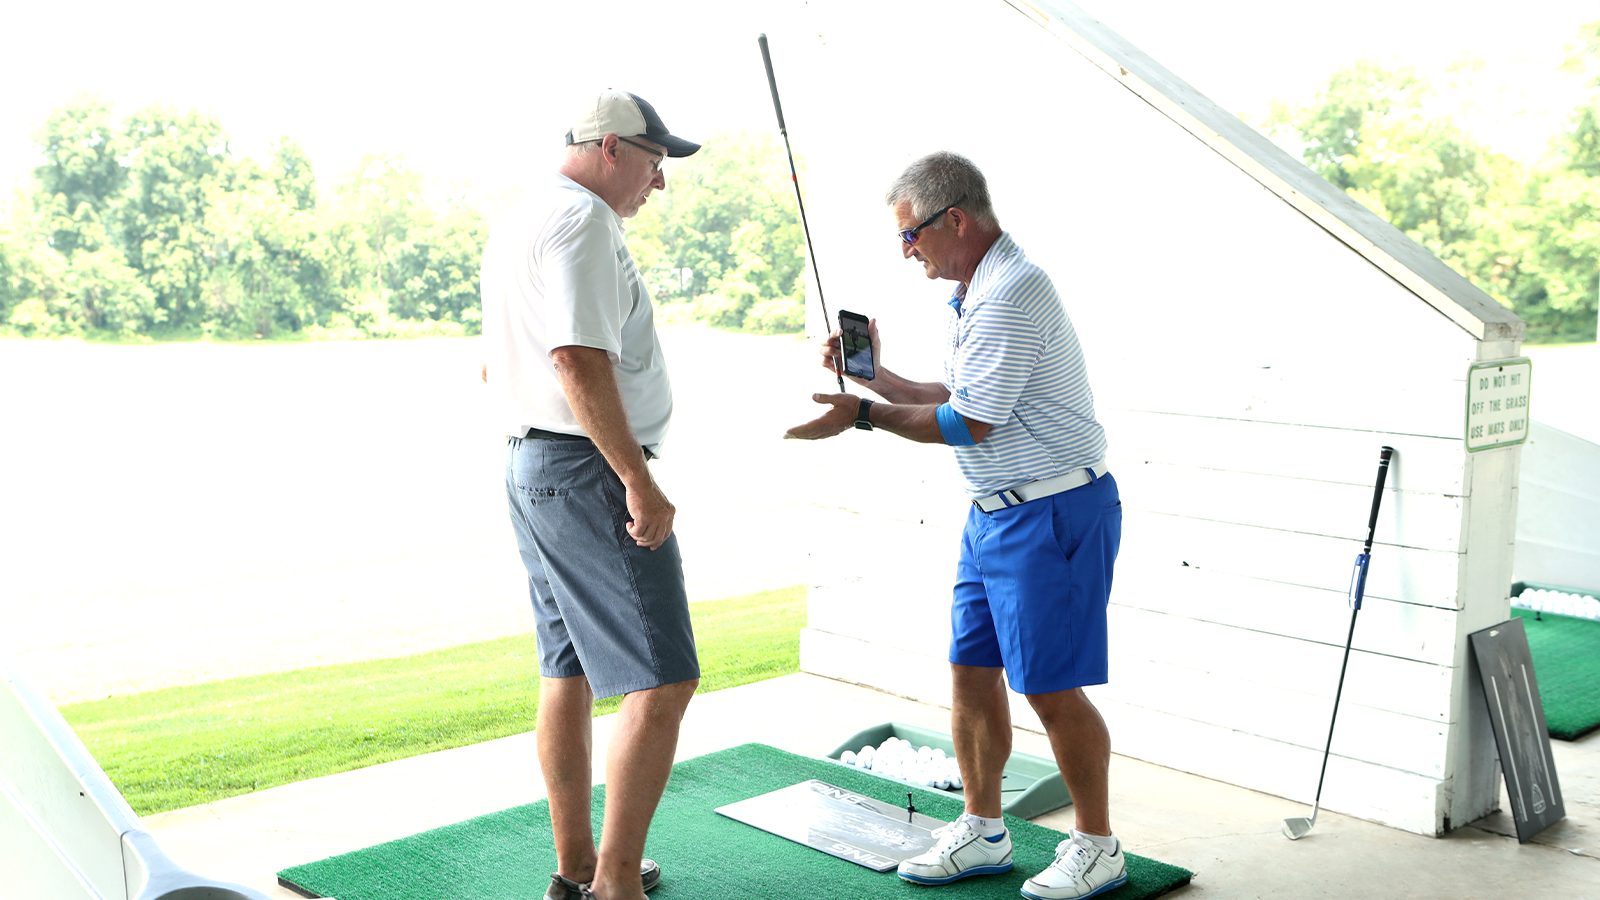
[939, 180]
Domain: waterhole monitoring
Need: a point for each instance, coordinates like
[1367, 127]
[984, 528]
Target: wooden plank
[1421, 465]
[1432, 405]
[1303, 506]
[1280, 712]
[1381, 682]
[1357, 788]
[1408, 631]
[1423, 577]
[1354, 787]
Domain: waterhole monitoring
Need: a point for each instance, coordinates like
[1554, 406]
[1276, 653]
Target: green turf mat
[507, 855]
[1566, 661]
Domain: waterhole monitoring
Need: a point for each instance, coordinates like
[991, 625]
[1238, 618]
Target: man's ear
[959, 218]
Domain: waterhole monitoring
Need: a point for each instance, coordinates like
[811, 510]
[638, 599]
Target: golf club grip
[772, 82]
[1377, 493]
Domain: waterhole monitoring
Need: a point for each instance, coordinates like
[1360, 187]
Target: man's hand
[839, 417]
[830, 349]
[590, 386]
[652, 514]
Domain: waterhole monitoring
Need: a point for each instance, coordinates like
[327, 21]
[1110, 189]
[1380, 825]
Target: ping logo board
[840, 823]
[1520, 733]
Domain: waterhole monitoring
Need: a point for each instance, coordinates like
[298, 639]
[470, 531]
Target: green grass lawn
[183, 746]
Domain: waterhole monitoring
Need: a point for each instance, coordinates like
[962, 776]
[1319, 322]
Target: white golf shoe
[1081, 870]
[961, 851]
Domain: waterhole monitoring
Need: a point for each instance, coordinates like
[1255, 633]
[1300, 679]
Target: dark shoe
[566, 889]
[650, 874]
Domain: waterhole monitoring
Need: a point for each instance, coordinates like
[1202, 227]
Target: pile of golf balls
[1580, 605]
[896, 758]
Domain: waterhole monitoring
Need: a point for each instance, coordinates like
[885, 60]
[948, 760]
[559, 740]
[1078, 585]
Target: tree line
[152, 226]
[1527, 234]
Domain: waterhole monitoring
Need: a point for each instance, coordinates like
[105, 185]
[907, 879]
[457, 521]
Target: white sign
[1497, 403]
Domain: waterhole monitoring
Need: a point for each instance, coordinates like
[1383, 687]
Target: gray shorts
[603, 606]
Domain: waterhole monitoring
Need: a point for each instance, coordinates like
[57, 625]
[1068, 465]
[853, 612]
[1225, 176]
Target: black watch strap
[862, 422]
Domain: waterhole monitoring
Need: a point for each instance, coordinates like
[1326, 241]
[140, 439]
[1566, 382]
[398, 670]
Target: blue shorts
[1032, 588]
[603, 607]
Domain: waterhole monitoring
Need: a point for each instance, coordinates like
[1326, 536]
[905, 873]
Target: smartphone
[857, 344]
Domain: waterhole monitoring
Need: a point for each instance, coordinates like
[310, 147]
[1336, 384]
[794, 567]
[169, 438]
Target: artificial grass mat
[507, 855]
[1566, 661]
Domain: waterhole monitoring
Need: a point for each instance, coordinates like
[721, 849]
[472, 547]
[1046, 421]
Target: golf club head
[1295, 827]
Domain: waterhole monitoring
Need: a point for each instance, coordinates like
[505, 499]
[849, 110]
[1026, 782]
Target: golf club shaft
[1338, 692]
[794, 176]
[1372, 524]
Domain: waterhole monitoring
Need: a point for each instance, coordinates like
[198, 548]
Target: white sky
[479, 90]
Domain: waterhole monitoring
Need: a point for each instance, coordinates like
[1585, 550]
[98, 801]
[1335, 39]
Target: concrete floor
[1228, 836]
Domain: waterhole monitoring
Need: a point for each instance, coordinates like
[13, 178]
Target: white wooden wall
[1250, 350]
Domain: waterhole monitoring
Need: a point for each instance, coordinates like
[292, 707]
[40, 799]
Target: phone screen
[857, 343]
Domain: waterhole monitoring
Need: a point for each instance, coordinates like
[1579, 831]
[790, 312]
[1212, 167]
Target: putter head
[1295, 828]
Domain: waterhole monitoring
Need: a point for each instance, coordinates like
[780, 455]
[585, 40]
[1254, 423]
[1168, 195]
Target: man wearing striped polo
[1041, 538]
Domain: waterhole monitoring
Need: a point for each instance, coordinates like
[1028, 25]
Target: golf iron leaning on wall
[1295, 827]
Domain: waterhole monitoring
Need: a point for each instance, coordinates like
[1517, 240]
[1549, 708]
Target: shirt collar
[1001, 250]
[563, 182]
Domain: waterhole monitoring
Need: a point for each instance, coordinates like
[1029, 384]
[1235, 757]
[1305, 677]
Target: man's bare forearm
[903, 391]
[590, 385]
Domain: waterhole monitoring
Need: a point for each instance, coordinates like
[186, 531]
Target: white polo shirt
[1012, 360]
[557, 273]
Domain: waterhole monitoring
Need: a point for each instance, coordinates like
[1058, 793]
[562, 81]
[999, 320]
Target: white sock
[1106, 842]
[986, 827]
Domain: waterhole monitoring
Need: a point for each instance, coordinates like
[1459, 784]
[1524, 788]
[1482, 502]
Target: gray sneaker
[1080, 870]
[567, 889]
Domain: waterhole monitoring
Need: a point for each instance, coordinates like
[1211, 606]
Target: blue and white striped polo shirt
[1013, 361]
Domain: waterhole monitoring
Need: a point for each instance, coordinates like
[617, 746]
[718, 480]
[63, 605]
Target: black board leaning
[1511, 690]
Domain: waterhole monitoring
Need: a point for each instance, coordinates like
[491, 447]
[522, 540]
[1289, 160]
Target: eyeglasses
[659, 156]
[910, 234]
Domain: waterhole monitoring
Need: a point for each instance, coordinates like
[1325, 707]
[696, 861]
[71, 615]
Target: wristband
[862, 422]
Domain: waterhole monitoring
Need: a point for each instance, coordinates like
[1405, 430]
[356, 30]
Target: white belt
[1044, 487]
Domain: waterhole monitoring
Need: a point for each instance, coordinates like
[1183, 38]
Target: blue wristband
[953, 427]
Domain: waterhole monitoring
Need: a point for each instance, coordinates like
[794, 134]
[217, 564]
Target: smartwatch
[862, 422]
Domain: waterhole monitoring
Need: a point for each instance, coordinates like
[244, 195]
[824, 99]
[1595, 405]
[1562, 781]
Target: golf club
[772, 81]
[1295, 827]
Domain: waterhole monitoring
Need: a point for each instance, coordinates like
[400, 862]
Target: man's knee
[666, 699]
[1062, 706]
[976, 679]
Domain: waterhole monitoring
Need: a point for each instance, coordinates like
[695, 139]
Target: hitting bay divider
[507, 855]
[67, 832]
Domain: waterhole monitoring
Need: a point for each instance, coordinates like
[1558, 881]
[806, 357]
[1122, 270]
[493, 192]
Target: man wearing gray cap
[580, 390]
